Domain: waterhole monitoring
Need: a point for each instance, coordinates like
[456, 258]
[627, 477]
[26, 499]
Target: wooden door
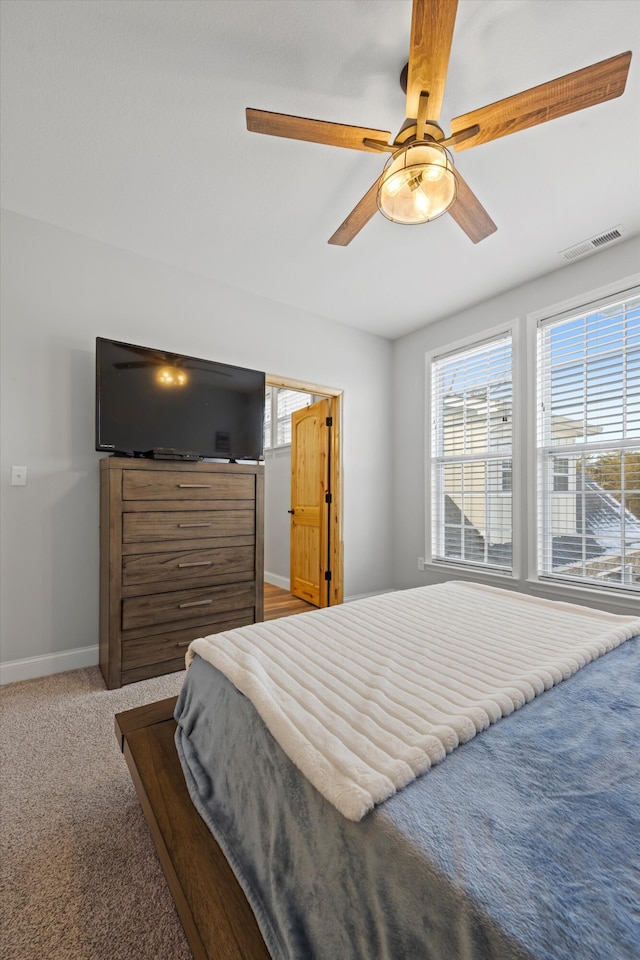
[310, 503]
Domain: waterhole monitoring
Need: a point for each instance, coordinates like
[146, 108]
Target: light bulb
[432, 172]
[397, 182]
[422, 202]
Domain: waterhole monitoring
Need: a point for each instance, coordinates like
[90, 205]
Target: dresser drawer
[183, 485]
[183, 605]
[188, 565]
[186, 525]
[172, 644]
[147, 670]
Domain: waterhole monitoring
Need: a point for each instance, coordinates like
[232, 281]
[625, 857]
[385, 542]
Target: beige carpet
[79, 877]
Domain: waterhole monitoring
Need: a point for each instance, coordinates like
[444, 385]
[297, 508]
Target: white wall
[277, 525]
[61, 290]
[599, 270]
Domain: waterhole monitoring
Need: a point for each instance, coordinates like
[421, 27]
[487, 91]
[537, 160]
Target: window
[279, 405]
[471, 455]
[507, 476]
[560, 474]
[588, 446]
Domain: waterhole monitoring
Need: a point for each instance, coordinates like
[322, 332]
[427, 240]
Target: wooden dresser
[181, 556]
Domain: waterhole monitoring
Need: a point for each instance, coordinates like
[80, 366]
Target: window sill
[618, 601]
[626, 604]
[461, 572]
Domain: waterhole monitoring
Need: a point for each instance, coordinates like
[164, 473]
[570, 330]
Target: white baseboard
[44, 666]
[374, 593]
[276, 580]
[283, 582]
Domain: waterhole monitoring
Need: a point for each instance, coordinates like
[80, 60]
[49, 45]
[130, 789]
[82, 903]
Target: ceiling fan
[419, 181]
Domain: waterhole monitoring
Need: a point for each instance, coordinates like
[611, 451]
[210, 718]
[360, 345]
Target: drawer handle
[194, 486]
[194, 524]
[197, 563]
[194, 603]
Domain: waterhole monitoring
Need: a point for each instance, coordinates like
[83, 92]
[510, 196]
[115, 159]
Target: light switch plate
[18, 476]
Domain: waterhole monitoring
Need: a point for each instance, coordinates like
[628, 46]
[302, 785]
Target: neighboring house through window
[589, 445]
[561, 474]
[471, 455]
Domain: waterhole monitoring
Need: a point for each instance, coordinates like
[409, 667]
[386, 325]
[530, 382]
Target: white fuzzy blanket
[367, 696]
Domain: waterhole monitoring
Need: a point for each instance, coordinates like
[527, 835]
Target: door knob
[290, 511]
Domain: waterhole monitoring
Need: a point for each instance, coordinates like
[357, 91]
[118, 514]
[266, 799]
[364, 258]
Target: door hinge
[328, 498]
[328, 422]
[327, 574]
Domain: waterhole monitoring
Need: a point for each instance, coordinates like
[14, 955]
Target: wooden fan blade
[469, 213]
[358, 218]
[315, 131]
[575, 91]
[432, 23]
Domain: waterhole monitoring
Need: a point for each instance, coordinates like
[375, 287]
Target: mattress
[523, 844]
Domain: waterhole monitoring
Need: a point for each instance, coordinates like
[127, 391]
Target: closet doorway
[304, 503]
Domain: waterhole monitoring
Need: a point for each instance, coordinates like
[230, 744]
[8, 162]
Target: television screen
[149, 402]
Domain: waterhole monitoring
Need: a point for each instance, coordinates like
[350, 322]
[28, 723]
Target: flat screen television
[158, 404]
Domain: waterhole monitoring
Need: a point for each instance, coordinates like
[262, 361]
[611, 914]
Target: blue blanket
[524, 843]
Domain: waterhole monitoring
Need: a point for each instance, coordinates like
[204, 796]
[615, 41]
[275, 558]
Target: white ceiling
[123, 120]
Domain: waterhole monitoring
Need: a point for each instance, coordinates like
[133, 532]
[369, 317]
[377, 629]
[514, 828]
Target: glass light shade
[417, 184]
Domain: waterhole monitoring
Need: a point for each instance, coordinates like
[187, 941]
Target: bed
[522, 843]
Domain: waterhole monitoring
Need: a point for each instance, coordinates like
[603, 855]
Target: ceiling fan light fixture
[171, 377]
[417, 184]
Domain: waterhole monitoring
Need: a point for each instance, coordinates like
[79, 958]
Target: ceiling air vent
[594, 243]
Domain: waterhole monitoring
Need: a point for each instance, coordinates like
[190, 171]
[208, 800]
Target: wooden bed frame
[217, 919]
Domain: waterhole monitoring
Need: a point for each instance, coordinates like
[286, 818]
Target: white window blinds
[471, 455]
[588, 445]
[288, 402]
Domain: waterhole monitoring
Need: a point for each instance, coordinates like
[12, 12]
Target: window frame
[543, 579]
[618, 600]
[524, 575]
[275, 420]
[466, 569]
